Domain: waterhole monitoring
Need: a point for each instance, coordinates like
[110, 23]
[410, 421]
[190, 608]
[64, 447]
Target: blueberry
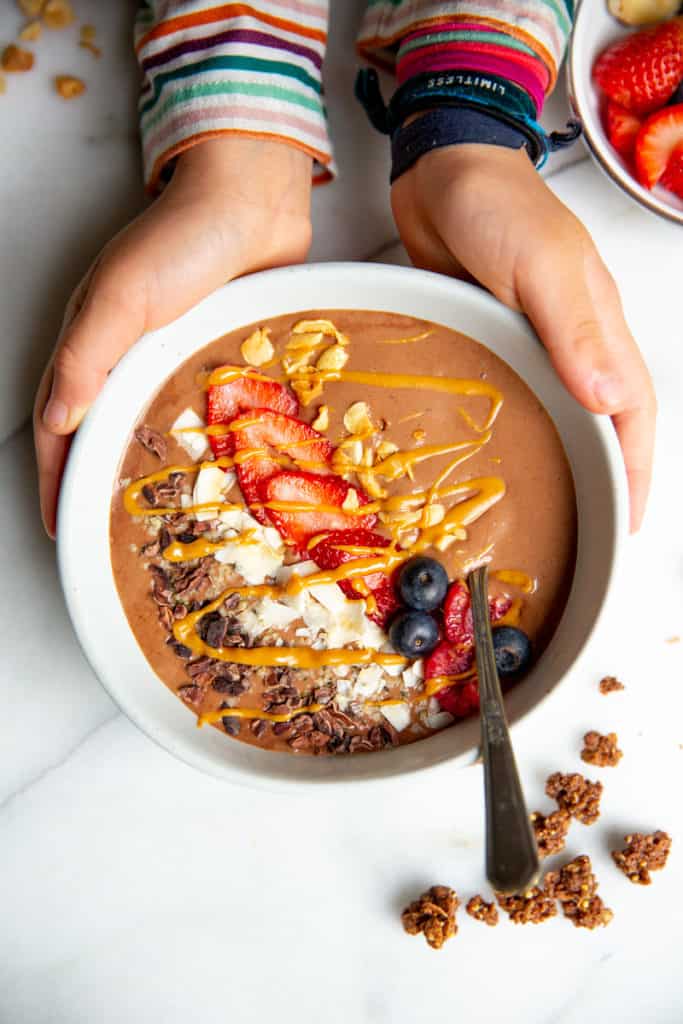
[423, 583]
[677, 96]
[414, 634]
[513, 650]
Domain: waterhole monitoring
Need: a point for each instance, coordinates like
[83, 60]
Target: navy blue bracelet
[449, 126]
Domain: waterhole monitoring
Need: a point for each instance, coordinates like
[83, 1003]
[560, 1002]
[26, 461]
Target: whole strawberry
[642, 71]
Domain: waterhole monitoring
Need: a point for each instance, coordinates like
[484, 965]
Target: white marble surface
[133, 888]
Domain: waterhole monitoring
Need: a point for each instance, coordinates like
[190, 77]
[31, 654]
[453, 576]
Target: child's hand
[234, 205]
[485, 210]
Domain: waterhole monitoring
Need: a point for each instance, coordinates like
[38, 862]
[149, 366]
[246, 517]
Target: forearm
[213, 69]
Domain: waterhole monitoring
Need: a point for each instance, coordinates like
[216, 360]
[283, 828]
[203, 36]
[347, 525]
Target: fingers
[636, 431]
[51, 452]
[571, 299]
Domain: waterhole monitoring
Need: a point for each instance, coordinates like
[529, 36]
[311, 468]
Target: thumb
[573, 303]
[110, 319]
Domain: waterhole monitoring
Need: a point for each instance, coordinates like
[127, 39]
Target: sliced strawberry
[622, 127]
[661, 134]
[327, 554]
[226, 401]
[673, 175]
[457, 613]
[448, 659]
[324, 495]
[262, 437]
[461, 700]
[642, 71]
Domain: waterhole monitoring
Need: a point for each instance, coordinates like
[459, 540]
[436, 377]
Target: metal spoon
[512, 863]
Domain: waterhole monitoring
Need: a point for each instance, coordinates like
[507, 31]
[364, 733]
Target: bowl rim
[405, 281]
[596, 144]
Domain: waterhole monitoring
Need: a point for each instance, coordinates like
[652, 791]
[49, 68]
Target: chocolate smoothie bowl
[297, 501]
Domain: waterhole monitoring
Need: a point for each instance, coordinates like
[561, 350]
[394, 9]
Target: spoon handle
[512, 863]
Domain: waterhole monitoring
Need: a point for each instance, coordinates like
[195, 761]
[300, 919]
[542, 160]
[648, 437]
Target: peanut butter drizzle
[406, 341]
[449, 385]
[527, 584]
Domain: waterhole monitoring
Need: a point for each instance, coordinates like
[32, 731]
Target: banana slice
[642, 12]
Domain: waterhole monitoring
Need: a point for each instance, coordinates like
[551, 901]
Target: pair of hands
[236, 205]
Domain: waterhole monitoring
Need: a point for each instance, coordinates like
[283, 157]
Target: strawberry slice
[324, 495]
[226, 401]
[622, 127]
[642, 71]
[673, 175]
[661, 134]
[457, 613]
[261, 438]
[461, 700]
[455, 654]
[327, 554]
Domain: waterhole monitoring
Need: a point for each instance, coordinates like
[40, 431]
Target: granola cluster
[610, 684]
[576, 795]
[550, 831]
[478, 908]
[600, 750]
[433, 915]
[642, 854]
[532, 907]
[576, 888]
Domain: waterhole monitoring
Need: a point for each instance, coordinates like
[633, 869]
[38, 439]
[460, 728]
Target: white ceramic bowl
[594, 29]
[83, 534]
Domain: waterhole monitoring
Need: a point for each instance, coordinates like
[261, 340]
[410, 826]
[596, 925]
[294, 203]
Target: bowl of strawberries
[625, 74]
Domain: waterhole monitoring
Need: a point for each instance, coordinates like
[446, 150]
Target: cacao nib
[152, 440]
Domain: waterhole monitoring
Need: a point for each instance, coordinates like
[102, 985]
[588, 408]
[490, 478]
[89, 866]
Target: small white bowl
[594, 29]
[83, 532]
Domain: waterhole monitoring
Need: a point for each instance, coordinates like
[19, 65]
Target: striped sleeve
[521, 40]
[250, 68]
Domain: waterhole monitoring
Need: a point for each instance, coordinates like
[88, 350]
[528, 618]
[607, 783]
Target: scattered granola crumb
[577, 795]
[601, 750]
[575, 886]
[31, 8]
[610, 684]
[3, 84]
[57, 14]
[85, 44]
[531, 907]
[68, 86]
[480, 910]
[87, 33]
[433, 915]
[15, 59]
[642, 854]
[31, 32]
[550, 831]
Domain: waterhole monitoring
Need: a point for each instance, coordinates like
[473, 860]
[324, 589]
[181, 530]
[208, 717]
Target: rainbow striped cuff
[254, 70]
[520, 40]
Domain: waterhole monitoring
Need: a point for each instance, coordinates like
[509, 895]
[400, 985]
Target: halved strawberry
[457, 613]
[622, 127]
[642, 71]
[461, 700]
[226, 401]
[322, 495]
[661, 134]
[328, 554]
[673, 175]
[448, 659]
[260, 437]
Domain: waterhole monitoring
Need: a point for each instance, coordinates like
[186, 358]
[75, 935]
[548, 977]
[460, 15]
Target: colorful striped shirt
[256, 68]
